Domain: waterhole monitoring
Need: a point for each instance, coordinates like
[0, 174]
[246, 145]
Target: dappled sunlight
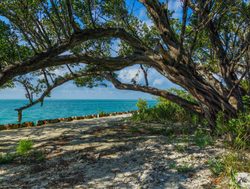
[102, 153]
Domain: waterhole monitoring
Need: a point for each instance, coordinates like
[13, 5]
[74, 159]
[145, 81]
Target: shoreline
[58, 120]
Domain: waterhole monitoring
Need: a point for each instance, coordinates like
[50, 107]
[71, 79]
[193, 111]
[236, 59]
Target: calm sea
[63, 108]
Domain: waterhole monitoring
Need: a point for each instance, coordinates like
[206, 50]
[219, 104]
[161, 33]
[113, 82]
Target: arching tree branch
[51, 56]
[190, 106]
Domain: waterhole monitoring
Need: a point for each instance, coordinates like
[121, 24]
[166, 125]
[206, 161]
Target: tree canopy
[205, 50]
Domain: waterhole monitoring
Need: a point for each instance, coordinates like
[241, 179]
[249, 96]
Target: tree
[205, 51]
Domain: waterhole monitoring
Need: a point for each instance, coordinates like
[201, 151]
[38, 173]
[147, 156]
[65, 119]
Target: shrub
[185, 168]
[216, 166]
[237, 130]
[7, 158]
[246, 101]
[228, 165]
[102, 114]
[24, 146]
[202, 138]
[24, 153]
[165, 110]
[181, 148]
[237, 162]
[142, 105]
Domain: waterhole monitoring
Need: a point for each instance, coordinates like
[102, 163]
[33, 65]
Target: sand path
[105, 153]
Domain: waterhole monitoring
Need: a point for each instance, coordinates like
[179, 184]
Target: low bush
[7, 158]
[165, 111]
[229, 165]
[216, 166]
[24, 146]
[24, 153]
[185, 168]
[202, 138]
[237, 130]
[181, 168]
[142, 105]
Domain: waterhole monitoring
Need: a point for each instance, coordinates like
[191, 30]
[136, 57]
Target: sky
[70, 91]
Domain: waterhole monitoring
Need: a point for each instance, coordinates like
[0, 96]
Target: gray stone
[243, 180]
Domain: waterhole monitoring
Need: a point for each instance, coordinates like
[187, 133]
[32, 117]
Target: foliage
[142, 105]
[236, 130]
[89, 82]
[165, 111]
[196, 52]
[102, 113]
[182, 168]
[7, 158]
[229, 165]
[185, 168]
[24, 153]
[24, 146]
[202, 138]
[237, 161]
[181, 148]
[216, 166]
[246, 102]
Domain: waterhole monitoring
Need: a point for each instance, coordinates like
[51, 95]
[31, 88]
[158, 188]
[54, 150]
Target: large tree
[205, 50]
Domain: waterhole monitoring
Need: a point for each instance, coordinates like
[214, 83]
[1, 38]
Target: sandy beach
[105, 153]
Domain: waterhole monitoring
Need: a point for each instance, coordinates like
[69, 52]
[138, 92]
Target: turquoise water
[63, 108]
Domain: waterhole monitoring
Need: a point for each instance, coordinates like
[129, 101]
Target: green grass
[228, 165]
[216, 166]
[180, 148]
[185, 168]
[24, 146]
[236, 130]
[24, 153]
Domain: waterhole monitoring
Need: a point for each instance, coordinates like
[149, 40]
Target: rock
[53, 120]
[243, 179]
[40, 122]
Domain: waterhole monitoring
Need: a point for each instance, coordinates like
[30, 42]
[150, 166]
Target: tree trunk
[211, 101]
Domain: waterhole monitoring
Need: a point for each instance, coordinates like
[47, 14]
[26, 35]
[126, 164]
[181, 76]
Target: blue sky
[70, 91]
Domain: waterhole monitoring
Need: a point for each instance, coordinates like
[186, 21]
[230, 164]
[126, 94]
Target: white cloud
[126, 75]
[155, 78]
[149, 22]
[158, 82]
[176, 6]
[144, 17]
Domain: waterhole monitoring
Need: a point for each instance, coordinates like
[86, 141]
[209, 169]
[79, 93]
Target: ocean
[52, 109]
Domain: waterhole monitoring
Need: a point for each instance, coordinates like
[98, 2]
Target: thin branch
[236, 84]
[46, 78]
[54, 7]
[184, 21]
[71, 17]
[145, 74]
[90, 13]
[58, 82]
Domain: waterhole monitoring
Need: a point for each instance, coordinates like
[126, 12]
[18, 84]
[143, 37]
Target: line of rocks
[57, 120]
